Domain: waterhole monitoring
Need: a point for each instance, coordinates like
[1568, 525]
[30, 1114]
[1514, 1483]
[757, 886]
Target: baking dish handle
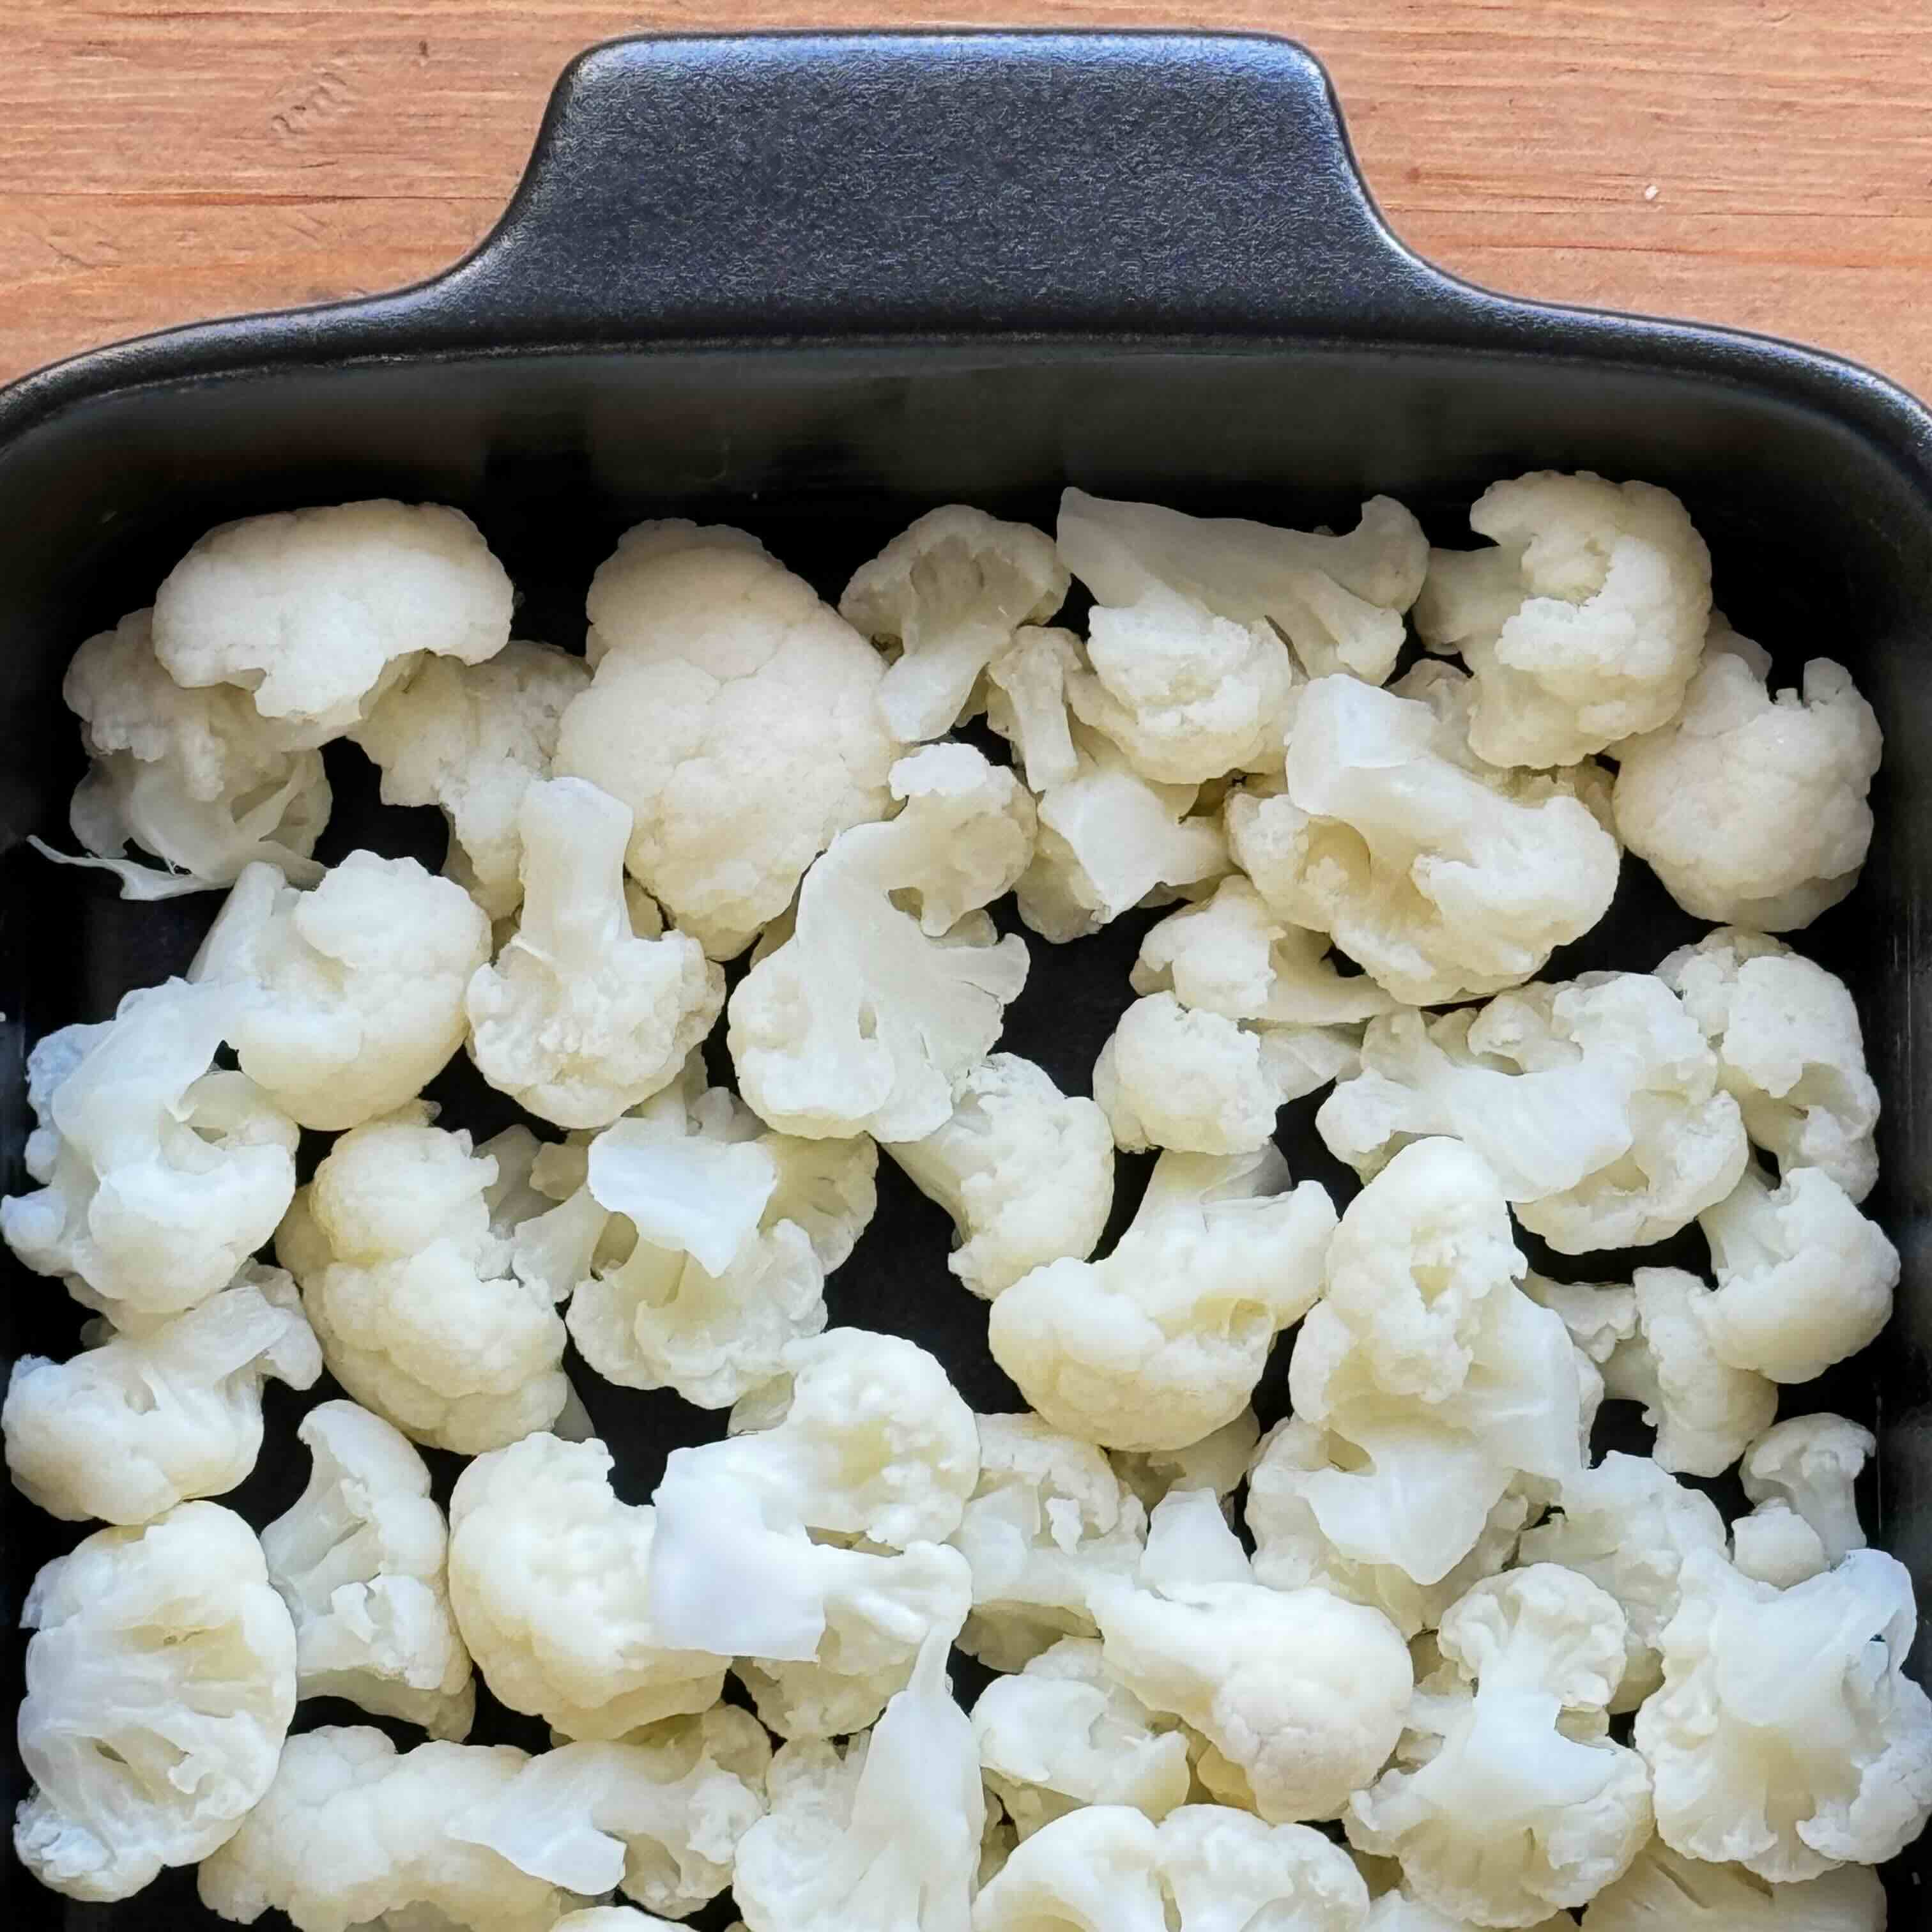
[793, 185]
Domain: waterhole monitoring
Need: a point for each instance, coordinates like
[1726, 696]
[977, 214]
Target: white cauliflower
[316, 613]
[868, 1018]
[1425, 1356]
[361, 1559]
[735, 714]
[1810, 1464]
[1788, 1046]
[1292, 1552]
[354, 1835]
[1164, 1339]
[196, 777]
[657, 1815]
[948, 593]
[1506, 1799]
[882, 1836]
[412, 1296]
[1062, 1733]
[159, 1178]
[1230, 955]
[1804, 1279]
[1787, 1737]
[1204, 1868]
[1750, 807]
[1218, 1461]
[581, 1016]
[129, 1429]
[160, 1679]
[1188, 696]
[1338, 600]
[1444, 877]
[726, 1265]
[1595, 1101]
[549, 1577]
[1774, 1544]
[1664, 1891]
[351, 994]
[1301, 1694]
[1109, 839]
[473, 738]
[1583, 625]
[1628, 1526]
[1047, 1518]
[1026, 702]
[1026, 1172]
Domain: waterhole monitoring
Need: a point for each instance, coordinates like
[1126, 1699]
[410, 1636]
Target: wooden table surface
[1767, 162]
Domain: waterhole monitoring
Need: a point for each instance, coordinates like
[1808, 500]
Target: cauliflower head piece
[1664, 1891]
[316, 613]
[129, 1428]
[1751, 808]
[160, 1679]
[361, 1559]
[1163, 1340]
[735, 714]
[1809, 1464]
[1025, 688]
[1445, 877]
[1583, 625]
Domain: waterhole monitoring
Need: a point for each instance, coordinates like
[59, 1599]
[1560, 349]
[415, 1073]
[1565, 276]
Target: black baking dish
[815, 284]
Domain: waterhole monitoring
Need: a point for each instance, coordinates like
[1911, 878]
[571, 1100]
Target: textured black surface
[815, 285]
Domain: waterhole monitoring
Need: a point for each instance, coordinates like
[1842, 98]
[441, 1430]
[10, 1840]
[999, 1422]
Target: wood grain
[1765, 163]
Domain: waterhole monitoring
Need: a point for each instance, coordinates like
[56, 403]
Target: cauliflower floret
[726, 1266]
[473, 739]
[1427, 1357]
[948, 592]
[129, 1429]
[1787, 1736]
[1026, 1172]
[882, 1836]
[1774, 1544]
[735, 714]
[1651, 1349]
[1444, 877]
[1218, 1461]
[549, 1577]
[1506, 1799]
[1663, 1891]
[1026, 702]
[1230, 955]
[1804, 1279]
[1595, 1101]
[1338, 600]
[353, 1835]
[1047, 1518]
[160, 1679]
[1301, 1694]
[657, 1815]
[159, 1178]
[1164, 1339]
[581, 1017]
[1788, 1046]
[316, 613]
[361, 1559]
[1062, 1733]
[1292, 1552]
[1186, 695]
[1205, 1868]
[1109, 840]
[1628, 1526]
[411, 1296]
[1751, 809]
[867, 1019]
[351, 994]
[198, 778]
[1585, 623]
[1809, 1464]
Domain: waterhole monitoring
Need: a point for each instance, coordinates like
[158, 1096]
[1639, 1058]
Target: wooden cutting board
[1766, 163]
